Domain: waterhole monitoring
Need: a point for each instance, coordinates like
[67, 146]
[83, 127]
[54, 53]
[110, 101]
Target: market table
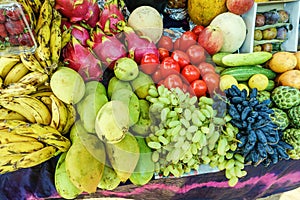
[37, 183]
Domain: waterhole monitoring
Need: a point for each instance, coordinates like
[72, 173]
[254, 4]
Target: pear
[141, 84]
[124, 156]
[116, 84]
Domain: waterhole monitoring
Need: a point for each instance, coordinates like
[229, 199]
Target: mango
[142, 127]
[145, 167]
[124, 156]
[130, 99]
[109, 180]
[92, 87]
[116, 84]
[141, 85]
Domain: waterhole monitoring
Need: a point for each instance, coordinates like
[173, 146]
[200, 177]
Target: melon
[233, 28]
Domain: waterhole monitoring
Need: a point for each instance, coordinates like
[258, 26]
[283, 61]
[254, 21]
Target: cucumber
[239, 59]
[243, 73]
[270, 86]
[217, 58]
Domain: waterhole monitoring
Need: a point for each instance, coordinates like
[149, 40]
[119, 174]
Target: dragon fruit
[137, 45]
[80, 33]
[82, 60]
[111, 18]
[79, 10]
[108, 50]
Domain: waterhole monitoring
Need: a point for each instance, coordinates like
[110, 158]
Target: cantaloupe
[233, 28]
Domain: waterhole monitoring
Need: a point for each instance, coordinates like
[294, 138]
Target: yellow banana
[55, 43]
[16, 89]
[59, 114]
[45, 134]
[65, 37]
[36, 157]
[11, 124]
[72, 116]
[56, 19]
[30, 61]
[40, 94]
[43, 55]
[44, 88]
[6, 114]
[45, 15]
[9, 159]
[20, 147]
[28, 10]
[35, 5]
[47, 101]
[7, 137]
[16, 73]
[1, 82]
[34, 78]
[38, 109]
[43, 36]
[7, 64]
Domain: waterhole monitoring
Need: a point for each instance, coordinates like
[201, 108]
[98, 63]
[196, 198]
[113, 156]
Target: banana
[30, 61]
[11, 124]
[65, 37]
[43, 55]
[36, 157]
[28, 10]
[44, 88]
[38, 109]
[16, 89]
[43, 36]
[7, 137]
[20, 147]
[47, 101]
[40, 94]
[35, 5]
[56, 17]
[59, 114]
[55, 43]
[45, 15]
[7, 64]
[34, 78]
[72, 116]
[1, 82]
[15, 74]
[45, 134]
[6, 114]
[10, 159]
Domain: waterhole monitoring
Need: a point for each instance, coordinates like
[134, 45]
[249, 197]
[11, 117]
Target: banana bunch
[24, 145]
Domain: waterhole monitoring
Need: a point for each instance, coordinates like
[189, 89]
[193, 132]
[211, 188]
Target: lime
[258, 81]
[226, 81]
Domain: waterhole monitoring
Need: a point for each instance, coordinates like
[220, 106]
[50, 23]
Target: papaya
[202, 12]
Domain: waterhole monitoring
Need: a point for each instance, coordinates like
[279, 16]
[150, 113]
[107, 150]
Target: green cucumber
[239, 59]
[270, 86]
[217, 58]
[243, 73]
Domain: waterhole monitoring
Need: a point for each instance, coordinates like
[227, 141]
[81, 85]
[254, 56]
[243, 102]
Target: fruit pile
[98, 90]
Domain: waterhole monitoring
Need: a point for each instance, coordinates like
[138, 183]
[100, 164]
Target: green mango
[131, 100]
[74, 131]
[145, 167]
[116, 84]
[63, 185]
[141, 84]
[124, 156]
[92, 87]
[89, 108]
[142, 127]
[83, 169]
[109, 180]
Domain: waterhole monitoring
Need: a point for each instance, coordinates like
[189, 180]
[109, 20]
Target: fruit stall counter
[37, 183]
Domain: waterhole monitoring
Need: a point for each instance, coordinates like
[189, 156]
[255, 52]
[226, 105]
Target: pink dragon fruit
[97, 34]
[109, 50]
[79, 10]
[138, 45]
[82, 60]
[111, 18]
[80, 33]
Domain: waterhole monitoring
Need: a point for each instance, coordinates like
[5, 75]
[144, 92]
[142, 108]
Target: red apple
[239, 7]
[211, 39]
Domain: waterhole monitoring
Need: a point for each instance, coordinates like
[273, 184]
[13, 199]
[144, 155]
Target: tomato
[187, 39]
[205, 67]
[199, 87]
[181, 58]
[176, 44]
[196, 53]
[149, 63]
[212, 81]
[190, 73]
[173, 81]
[169, 66]
[163, 53]
[165, 42]
[197, 29]
[156, 76]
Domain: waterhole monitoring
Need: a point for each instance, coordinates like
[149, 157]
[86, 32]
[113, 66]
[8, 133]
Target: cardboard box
[292, 7]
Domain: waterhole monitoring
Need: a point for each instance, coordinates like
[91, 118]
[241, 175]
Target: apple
[211, 39]
[239, 7]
